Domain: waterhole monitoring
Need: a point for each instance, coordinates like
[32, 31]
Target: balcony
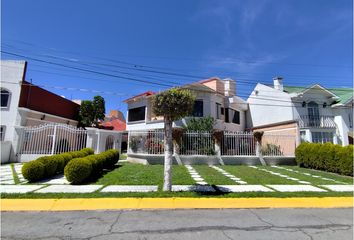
[307, 121]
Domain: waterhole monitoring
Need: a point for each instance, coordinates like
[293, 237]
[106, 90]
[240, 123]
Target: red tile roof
[116, 125]
[148, 93]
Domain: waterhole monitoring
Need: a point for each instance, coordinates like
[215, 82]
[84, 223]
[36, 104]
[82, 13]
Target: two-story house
[24, 104]
[214, 97]
[318, 114]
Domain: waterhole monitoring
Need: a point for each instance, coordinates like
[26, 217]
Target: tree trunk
[167, 183]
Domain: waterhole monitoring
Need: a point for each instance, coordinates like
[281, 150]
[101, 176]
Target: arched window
[5, 98]
[109, 142]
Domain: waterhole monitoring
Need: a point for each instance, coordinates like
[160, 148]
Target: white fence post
[54, 139]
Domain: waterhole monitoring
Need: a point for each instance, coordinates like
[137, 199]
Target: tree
[86, 113]
[204, 124]
[91, 112]
[99, 109]
[172, 104]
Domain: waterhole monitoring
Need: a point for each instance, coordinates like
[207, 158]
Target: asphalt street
[229, 224]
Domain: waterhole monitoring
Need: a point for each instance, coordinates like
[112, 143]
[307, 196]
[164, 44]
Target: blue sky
[251, 41]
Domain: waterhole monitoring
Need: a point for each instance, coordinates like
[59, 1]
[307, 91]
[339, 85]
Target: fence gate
[51, 139]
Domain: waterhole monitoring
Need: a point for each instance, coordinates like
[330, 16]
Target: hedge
[328, 157]
[80, 170]
[48, 166]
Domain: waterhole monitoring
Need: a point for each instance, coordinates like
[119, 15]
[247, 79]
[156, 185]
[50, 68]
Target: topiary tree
[172, 104]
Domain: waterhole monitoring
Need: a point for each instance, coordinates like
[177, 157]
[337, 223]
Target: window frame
[8, 98]
[2, 133]
[130, 115]
[200, 111]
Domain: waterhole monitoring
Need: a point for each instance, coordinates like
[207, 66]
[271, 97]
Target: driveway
[181, 224]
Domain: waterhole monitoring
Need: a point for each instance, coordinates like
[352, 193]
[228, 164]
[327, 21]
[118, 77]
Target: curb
[82, 204]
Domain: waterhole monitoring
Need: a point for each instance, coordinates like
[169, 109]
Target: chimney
[278, 83]
[229, 87]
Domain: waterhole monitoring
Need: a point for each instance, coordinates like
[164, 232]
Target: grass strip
[14, 174]
[213, 177]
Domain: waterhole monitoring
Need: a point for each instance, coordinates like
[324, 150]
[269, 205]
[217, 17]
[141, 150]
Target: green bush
[328, 157]
[78, 170]
[50, 165]
[33, 171]
[97, 163]
[54, 164]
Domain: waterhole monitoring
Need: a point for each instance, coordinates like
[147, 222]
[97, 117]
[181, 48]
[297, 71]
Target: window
[350, 120]
[303, 136]
[2, 133]
[218, 111]
[198, 108]
[236, 117]
[313, 114]
[227, 115]
[5, 98]
[222, 111]
[322, 137]
[136, 114]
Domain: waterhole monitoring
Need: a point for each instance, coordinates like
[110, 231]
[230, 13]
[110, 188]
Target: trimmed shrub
[55, 164]
[97, 163]
[78, 170]
[33, 171]
[50, 165]
[328, 157]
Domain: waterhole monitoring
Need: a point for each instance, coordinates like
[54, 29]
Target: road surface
[181, 224]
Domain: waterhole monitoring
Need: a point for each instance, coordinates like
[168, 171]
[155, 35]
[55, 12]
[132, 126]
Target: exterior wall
[38, 99]
[12, 73]
[268, 106]
[344, 123]
[209, 109]
[97, 139]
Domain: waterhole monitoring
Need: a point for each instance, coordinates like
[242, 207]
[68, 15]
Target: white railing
[238, 143]
[278, 145]
[320, 121]
[203, 143]
[197, 143]
[51, 139]
[146, 142]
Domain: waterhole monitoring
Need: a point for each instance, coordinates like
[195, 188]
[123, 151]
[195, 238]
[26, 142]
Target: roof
[344, 94]
[116, 125]
[210, 79]
[148, 93]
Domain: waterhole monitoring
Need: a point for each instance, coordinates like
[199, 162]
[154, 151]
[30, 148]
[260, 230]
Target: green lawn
[212, 176]
[346, 179]
[254, 176]
[137, 174]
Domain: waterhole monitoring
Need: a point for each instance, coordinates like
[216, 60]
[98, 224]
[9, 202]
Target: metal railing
[146, 142]
[316, 121]
[197, 143]
[51, 139]
[238, 143]
[203, 143]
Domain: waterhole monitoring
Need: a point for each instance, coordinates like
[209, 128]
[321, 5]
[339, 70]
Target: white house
[214, 97]
[36, 122]
[320, 114]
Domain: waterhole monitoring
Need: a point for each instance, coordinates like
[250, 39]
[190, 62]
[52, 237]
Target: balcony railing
[307, 121]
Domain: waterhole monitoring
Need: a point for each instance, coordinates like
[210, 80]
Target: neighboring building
[115, 121]
[25, 104]
[214, 97]
[316, 113]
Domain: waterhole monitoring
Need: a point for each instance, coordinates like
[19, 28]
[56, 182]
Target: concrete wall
[268, 105]
[97, 139]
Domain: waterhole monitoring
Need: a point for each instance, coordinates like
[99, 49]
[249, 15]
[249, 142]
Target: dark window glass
[136, 114]
[2, 133]
[4, 98]
[222, 111]
[218, 110]
[198, 108]
[236, 118]
[227, 115]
